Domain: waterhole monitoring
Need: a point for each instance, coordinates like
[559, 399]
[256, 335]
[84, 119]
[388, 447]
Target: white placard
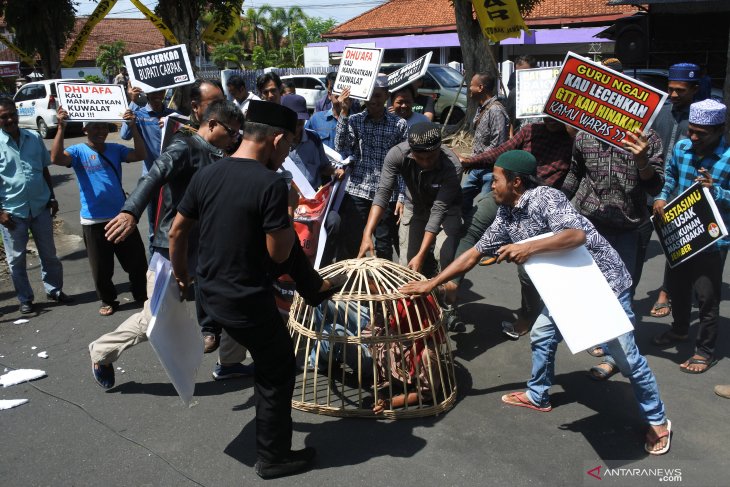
[533, 89]
[316, 57]
[305, 189]
[92, 103]
[160, 69]
[174, 336]
[358, 70]
[581, 302]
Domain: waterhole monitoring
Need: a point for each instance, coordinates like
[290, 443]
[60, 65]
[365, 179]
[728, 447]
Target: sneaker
[297, 461]
[26, 308]
[60, 297]
[451, 319]
[508, 328]
[222, 372]
[103, 375]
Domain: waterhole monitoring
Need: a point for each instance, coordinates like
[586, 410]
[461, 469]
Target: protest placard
[573, 287]
[601, 101]
[160, 69]
[409, 73]
[691, 223]
[533, 87]
[358, 70]
[92, 103]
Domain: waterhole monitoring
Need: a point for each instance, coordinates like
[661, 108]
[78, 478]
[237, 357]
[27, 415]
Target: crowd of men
[220, 208]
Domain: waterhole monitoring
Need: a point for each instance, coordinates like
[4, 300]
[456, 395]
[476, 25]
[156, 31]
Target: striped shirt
[542, 210]
[682, 170]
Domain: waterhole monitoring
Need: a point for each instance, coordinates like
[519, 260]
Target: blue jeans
[327, 316]
[545, 337]
[478, 181]
[16, 242]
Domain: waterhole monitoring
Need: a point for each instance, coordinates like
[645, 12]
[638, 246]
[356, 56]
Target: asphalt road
[139, 433]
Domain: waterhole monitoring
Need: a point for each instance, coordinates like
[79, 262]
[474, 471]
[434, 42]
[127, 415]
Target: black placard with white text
[160, 69]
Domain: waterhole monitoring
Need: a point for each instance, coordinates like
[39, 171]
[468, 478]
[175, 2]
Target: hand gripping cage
[372, 351]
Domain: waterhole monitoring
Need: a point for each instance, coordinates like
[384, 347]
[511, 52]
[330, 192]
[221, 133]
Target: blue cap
[298, 104]
[684, 72]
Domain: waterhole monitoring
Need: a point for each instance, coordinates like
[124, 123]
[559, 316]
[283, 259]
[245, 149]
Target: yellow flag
[217, 32]
[164, 30]
[27, 58]
[499, 19]
[78, 45]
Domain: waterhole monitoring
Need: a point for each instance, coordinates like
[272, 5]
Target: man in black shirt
[246, 239]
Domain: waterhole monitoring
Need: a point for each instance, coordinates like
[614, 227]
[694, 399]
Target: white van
[36, 104]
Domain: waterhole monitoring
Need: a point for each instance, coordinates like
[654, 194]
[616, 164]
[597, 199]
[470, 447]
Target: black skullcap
[424, 137]
[272, 114]
[518, 161]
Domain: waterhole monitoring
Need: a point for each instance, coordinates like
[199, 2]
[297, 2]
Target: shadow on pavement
[210, 388]
[486, 332]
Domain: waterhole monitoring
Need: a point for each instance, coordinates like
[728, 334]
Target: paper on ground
[21, 321]
[11, 403]
[174, 336]
[21, 375]
[578, 296]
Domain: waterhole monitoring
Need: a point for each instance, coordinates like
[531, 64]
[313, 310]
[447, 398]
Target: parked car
[442, 82]
[659, 78]
[312, 87]
[36, 104]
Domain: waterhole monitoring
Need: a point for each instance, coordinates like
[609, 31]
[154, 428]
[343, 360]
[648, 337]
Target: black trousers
[272, 350]
[354, 214]
[131, 256]
[703, 274]
[308, 282]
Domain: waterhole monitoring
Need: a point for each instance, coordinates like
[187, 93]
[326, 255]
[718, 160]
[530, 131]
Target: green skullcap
[518, 161]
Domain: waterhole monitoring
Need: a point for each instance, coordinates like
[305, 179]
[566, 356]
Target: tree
[256, 20]
[110, 57]
[229, 53]
[292, 17]
[474, 44]
[41, 27]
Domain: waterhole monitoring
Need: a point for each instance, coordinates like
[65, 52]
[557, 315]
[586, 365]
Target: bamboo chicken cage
[371, 351]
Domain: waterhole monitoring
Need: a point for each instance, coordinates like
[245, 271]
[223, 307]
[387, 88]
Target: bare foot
[695, 367]
[657, 437]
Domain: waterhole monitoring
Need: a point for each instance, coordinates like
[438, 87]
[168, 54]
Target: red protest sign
[601, 101]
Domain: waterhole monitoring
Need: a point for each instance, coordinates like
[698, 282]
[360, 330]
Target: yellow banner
[217, 32]
[499, 19]
[164, 30]
[27, 58]
[78, 45]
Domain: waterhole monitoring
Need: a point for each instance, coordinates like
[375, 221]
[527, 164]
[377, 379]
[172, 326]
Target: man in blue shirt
[98, 167]
[705, 158]
[324, 123]
[27, 203]
[147, 120]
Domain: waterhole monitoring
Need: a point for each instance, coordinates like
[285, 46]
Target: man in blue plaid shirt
[366, 138]
[705, 158]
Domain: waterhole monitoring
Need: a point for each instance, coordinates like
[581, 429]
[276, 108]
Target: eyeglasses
[234, 134]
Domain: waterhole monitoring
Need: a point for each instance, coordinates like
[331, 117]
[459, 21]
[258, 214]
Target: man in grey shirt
[432, 174]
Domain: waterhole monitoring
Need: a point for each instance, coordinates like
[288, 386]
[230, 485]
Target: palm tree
[292, 17]
[274, 24]
[256, 21]
[110, 57]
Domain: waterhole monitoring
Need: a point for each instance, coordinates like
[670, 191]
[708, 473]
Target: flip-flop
[596, 352]
[508, 329]
[654, 438]
[698, 361]
[598, 373]
[661, 306]
[520, 399]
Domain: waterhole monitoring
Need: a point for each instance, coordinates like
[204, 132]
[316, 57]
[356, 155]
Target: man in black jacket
[187, 152]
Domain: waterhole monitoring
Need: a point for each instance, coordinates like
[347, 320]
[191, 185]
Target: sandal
[520, 399]
[652, 438]
[596, 352]
[669, 338]
[108, 309]
[661, 310]
[709, 362]
[597, 372]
